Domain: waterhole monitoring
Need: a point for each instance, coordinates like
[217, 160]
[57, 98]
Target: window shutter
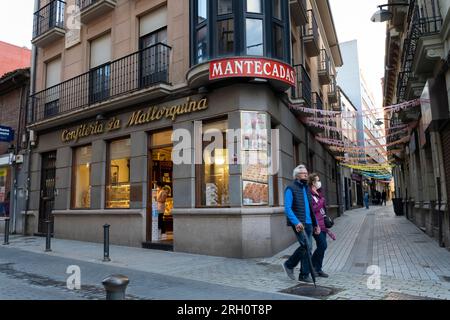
[100, 51]
[53, 73]
[153, 21]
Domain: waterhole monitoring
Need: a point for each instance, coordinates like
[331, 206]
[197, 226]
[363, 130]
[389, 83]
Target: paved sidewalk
[409, 261]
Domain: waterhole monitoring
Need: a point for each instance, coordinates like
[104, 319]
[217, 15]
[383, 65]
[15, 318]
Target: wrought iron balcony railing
[420, 27]
[49, 17]
[134, 72]
[302, 89]
[324, 62]
[311, 28]
[83, 4]
[317, 101]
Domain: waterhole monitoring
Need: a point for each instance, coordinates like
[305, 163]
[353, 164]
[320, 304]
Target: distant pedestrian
[384, 197]
[298, 210]
[319, 209]
[366, 199]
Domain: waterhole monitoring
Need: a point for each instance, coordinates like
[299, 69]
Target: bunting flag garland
[361, 149]
[392, 108]
[323, 126]
[357, 155]
[405, 105]
[369, 167]
[342, 143]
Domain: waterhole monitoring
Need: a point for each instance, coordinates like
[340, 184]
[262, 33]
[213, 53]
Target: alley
[411, 265]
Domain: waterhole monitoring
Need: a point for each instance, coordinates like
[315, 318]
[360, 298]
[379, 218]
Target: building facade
[351, 180]
[129, 104]
[370, 136]
[14, 93]
[417, 61]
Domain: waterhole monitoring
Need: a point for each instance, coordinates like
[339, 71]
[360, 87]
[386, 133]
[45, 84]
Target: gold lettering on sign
[157, 113]
[137, 118]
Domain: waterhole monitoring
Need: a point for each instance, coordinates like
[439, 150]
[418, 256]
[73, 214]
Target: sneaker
[322, 274]
[306, 279]
[289, 272]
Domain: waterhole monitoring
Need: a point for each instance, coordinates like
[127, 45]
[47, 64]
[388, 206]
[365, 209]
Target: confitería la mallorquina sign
[137, 118]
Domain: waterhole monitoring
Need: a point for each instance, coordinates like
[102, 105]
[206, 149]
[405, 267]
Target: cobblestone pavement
[410, 263]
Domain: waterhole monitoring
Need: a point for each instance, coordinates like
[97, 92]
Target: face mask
[318, 185]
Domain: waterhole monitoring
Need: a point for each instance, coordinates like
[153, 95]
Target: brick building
[13, 57]
[14, 94]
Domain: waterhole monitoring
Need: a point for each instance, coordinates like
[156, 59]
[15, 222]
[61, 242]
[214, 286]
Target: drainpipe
[34, 54]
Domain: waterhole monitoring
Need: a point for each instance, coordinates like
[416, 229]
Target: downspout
[29, 112]
[18, 139]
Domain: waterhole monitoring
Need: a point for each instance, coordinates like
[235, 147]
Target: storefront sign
[6, 134]
[252, 68]
[136, 118]
[356, 177]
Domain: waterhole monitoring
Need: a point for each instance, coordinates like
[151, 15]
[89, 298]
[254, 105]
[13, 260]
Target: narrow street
[411, 265]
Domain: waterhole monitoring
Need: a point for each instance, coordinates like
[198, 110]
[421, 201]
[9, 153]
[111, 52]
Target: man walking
[298, 210]
[384, 197]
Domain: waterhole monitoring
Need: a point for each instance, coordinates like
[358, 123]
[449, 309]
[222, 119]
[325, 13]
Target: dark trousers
[161, 225]
[301, 254]
[319, 253]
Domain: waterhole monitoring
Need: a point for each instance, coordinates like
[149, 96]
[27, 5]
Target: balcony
[301, 94]
[311, 36]
[430, 47]
[48, 23]
[92, 9]
[298, 12]
[324, 68]
[333, 92]
[100, 89]
[318, 105]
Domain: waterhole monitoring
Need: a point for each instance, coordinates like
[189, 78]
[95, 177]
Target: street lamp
[383, 15]
[379, 121]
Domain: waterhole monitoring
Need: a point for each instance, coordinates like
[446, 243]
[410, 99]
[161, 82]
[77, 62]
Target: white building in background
[351, 80]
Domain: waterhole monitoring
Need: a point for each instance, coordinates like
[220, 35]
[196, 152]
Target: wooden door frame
[150, 148]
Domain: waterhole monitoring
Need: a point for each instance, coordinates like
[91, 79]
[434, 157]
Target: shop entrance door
[47, 196]
[160, 192]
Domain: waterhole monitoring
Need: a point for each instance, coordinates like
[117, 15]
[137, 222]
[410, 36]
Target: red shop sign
[252, 67]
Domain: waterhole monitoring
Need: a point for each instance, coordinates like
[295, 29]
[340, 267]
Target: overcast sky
[352, 19]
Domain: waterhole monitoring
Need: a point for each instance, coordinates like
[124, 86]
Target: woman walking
[319, 206]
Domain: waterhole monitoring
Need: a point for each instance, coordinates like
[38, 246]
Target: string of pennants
[379, 171]
[354, 114]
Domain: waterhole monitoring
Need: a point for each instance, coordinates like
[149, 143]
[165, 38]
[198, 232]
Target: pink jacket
[319, 203]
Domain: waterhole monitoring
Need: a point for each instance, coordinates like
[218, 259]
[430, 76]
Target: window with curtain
[81, 193]
[118, 174]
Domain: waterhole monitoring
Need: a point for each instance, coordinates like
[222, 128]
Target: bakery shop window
[81, 177]
[254, 159]
[118, 174]
[214, 171]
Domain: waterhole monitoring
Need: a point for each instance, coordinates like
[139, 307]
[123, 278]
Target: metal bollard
[6, 231]
[115, 287]
[106, 243]
[49, 236]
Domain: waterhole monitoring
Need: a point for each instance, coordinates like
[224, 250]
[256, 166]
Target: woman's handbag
[329, 223]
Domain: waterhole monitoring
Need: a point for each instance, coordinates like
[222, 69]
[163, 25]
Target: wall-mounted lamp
[32, 138]
[383, 15]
